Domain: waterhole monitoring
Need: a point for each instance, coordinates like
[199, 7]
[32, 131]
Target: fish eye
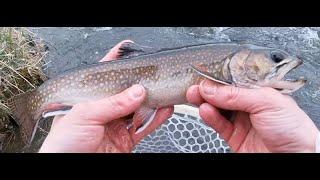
[277, 56]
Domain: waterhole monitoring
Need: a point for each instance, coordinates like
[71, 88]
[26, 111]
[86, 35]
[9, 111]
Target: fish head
[256, 67]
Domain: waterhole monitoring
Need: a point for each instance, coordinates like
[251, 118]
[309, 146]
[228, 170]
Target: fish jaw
[277, 79]
[284, 68]
[284, 86]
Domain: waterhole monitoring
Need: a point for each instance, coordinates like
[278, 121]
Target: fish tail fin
[19, 107]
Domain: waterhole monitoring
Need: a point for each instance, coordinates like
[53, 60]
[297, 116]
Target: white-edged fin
[146, 115]
[34, 132]
[55, 113]
[146, 123]
[209, 76]
[45, 115]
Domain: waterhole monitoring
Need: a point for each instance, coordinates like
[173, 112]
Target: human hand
[101, 126]
[266, 120]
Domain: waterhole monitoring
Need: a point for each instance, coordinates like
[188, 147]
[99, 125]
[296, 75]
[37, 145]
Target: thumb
[110, 108]
[235, 98]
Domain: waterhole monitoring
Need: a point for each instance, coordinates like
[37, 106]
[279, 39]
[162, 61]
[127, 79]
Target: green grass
[21, 62]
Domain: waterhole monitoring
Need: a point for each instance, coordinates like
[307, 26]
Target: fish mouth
[277, 78]
[286, 66]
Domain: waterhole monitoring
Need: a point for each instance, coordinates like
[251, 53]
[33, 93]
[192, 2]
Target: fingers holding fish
[116, 138]
[233, 133]
[193, 95]
[111, 108]
[212, 117]
[236, 98]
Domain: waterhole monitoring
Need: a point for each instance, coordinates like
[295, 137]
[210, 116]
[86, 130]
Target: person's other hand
[100, 126]
[266, 120]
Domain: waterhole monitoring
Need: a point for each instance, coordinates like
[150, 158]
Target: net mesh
[184, 132]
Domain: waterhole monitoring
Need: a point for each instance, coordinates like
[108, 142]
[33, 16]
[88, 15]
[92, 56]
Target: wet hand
[266, 120]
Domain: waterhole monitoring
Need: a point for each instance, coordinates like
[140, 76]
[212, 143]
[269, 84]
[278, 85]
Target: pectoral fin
[209, 76]
[142, 118]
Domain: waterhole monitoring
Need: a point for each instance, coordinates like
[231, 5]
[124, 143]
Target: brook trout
[165, 74]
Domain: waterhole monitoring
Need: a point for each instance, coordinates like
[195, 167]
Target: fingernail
[136, 91]
[208, 87]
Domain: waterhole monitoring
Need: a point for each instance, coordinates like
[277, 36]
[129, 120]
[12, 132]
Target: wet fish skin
[166, 76]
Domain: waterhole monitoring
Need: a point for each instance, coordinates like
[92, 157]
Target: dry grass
[21, 65]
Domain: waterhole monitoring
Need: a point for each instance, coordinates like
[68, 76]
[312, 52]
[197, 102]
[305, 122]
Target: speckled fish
[166, 75]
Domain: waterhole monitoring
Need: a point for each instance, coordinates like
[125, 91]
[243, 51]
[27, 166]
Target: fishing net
[184, 132]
